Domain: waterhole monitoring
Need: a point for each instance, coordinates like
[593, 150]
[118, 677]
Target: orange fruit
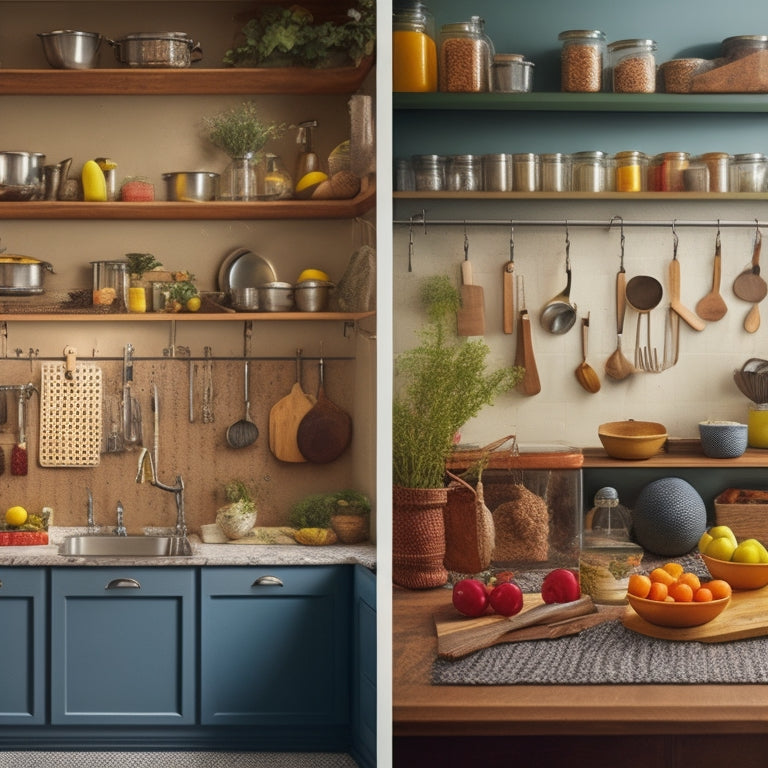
[691, 579]
[658, 591]
[639, 585]
[682, 593]
[663, 577]
[673, 569]
[719, 588]
[702, 595]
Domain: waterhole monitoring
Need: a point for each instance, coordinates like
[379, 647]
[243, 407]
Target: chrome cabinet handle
[270, 581]
[123, 584]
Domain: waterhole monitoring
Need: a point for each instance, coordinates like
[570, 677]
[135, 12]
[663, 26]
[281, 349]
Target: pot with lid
[22, 275]
[157, 49]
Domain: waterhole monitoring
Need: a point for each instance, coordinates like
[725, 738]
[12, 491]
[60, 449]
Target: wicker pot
[418, 537]
[351, 529]
[234, 524]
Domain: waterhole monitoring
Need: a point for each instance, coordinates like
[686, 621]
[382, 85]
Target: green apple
[723, 531]
[760, 548]
[721, 548]
[746, 552]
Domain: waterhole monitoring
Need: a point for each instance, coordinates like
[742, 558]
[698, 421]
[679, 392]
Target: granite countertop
[202, 554]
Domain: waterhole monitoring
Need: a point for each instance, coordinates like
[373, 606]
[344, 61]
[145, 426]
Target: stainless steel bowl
[275, 297]
[191, 186]
[313, 295]
[245, 299]
[71, 49]
[21, 175]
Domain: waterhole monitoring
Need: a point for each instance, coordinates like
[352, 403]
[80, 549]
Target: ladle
[244, 432]
[712, 307]
[559, 313]
[644, 294]
[585, 373]
[617, 366]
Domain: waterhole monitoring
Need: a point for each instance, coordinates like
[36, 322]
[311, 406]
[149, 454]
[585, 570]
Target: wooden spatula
[530, 383]
[471, 315]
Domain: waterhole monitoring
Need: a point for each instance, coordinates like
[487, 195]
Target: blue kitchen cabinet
[123, 646]
[275, 651]
[23, 630]
[364, 670]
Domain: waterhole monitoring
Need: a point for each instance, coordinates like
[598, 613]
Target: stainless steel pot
[191, 186]
[275, 297]
[70, 48]
[21, 175]
[21, 275]
[157, 49]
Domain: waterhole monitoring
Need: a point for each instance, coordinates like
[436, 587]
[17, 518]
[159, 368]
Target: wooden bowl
[738, 575]
[665, 614]
[631, 439]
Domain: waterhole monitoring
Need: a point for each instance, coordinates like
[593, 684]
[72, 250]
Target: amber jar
[414, 51]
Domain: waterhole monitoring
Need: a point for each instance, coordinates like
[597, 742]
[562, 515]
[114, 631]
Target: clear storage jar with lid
[429, 172]
[465, 57]
[630, 171]
[511, 73]
[749, 172]
[666, 172]
[555, 172]
[633, 66]
[719, 164]
[497, 173]
[414, 50]
[582, 60]
[588, 171]
[465, 173]
[739, 46]
[110, 284]
[526, 171]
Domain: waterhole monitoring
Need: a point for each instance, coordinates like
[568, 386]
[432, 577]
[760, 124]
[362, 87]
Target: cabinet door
[275, 646]
[123, 646]
[22, 640]
[364, 675]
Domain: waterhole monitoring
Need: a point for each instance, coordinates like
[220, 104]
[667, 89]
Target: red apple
[506, 599]
[560, 586]
[470, 597]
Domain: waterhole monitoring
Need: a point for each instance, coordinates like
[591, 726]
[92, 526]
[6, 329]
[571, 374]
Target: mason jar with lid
[414, 51]
[525, 172]
[739, 46]
[497, 173]
[633, 66]
[719, 164]
[555, 172]
[630, 171]
[511, 73]
[465, 173]
[749, 172]
[588, 171]
[582, 60]
[429, 172]
[466, 53]
[666, 172]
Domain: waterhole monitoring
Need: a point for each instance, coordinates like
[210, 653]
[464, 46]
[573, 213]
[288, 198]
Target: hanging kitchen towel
[70, 416]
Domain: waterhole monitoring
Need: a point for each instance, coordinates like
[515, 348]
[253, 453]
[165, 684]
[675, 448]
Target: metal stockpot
[21, 275]
[21, 175]
[157, 49]
[191, 186]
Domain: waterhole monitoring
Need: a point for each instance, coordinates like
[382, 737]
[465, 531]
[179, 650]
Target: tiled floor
[175, 760]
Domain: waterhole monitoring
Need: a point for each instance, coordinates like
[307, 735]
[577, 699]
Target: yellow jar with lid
[631, 171]
[757, 426]
[414, 51]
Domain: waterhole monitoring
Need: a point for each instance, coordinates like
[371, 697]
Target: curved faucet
[148, 472]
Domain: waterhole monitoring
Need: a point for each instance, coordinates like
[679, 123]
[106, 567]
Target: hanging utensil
[508, 287]
[244, 432]
[524, 357]
[585, 373]
[674, 290]
[559, 313]
[617, 366]
[131, 407]
[712, 307]
[326, 430]
[207, 406]
[643, 295]
[284, 419]
[749, 286]
[3, 407]
[470, 318]
[752, 320]
[19, 457]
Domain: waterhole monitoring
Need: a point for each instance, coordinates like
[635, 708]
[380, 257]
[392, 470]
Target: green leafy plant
[139, 263]
[349, 502]
[313, 511]
[239, 497]
[440, 385]
[240, 131]
[291, 34]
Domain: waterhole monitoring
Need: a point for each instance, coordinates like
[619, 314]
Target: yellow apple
[705, 541]
[721, 548]
[758, 545]
[746, 552]
[720, 531]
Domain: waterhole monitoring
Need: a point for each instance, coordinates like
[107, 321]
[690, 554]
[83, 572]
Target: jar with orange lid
[414, 51]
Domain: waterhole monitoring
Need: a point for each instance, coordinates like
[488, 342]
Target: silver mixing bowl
[70, 48]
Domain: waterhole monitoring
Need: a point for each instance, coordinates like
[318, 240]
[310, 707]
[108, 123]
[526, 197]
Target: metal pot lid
[243, 268]
[158, 36]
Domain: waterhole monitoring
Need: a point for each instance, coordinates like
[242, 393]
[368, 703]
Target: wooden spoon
[749, 286]
[674, 296]
[752, 320]
[585, 373]
[713, 307]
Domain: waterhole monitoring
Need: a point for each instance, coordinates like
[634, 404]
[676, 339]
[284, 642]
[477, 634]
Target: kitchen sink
[125, 546]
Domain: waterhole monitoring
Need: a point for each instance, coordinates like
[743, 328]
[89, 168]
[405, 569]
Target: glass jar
[465, 58]
[696, 177]
[555, 172]
[497, 173]
[757, 426]
[633, 66]
[110, 284]
[137, 296]
[511, 73]
[739, 46]
[588, 171]
[582, 60]
[525, 172]
[465, 173]
[429, 172]
[631, 171]
[405, 181]
[719, 164]
[239, 180]
[278, 184]
[749, 172]
[414, 52]
[666, 174]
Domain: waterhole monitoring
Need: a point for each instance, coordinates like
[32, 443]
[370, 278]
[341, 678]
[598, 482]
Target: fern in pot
[439, 386]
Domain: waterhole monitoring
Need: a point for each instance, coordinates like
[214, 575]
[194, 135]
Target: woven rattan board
[70, 416]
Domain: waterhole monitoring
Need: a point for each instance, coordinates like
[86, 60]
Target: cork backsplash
[197, 451]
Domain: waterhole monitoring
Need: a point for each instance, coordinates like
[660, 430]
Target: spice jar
[582, 60]
[429, 172]
[555, 172]
[511, 73]
[719, 164]
[525, 172]
[497, 173]
[465, 58]
[631, 171]
[749, 172]
[465, 173]
[414, 52]
[666, 172]
[588, 171]
[633, 66]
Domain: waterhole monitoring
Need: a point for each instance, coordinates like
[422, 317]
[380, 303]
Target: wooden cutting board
[746, 616]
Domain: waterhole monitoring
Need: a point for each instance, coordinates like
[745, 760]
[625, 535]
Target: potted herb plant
[242, 134]
[350, 516]
[439, 385]
[238, 516]
[138, 265]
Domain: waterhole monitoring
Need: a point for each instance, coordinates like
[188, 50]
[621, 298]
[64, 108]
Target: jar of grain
[429, 172]
[466, 53]
[582, 60]
[749, 172]
[414, 51]
[525, 172]
[555, 172]
[497, 173]
[588, 171]
[739, 46]
[677, 74]
[719, 164]
[631, 171]
[633, 66]
[465, 173]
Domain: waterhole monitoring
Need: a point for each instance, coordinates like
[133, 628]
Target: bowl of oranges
[670, 596]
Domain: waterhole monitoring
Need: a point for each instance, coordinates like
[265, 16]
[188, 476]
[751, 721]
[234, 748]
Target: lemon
[193, 304]
[309, 182]
[312, 274]
[16, 516]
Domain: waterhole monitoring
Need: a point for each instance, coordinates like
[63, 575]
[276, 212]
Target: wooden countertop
[420, 709]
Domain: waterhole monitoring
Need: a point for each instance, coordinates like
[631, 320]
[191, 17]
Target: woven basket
[418, 537]
[469, 529]
[351, 529]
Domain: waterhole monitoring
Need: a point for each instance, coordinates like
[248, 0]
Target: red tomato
[506, 599]
[470, 597]
[560, 586]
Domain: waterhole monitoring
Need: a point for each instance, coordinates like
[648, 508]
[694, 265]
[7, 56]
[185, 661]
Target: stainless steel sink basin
[125, 546]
